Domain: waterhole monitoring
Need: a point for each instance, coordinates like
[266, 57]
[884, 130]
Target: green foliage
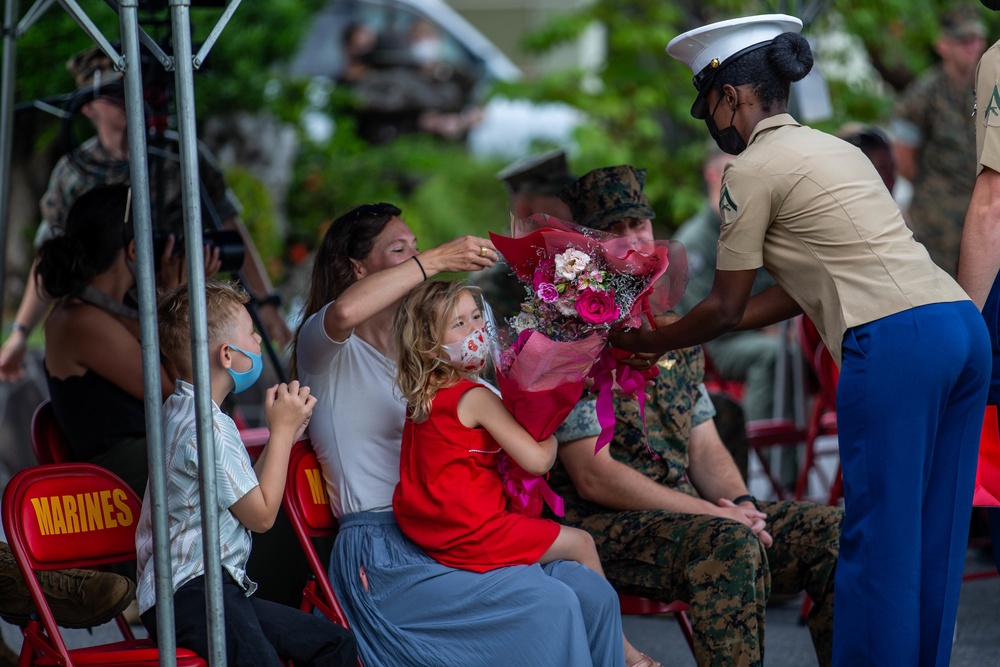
[44, 48]
[442, 191]
[259, 216]
[260, 36]
[638, 105]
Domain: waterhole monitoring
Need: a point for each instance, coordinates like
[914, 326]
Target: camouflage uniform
[715, 564]
[604, 197]
[89, 166]
[934, 115]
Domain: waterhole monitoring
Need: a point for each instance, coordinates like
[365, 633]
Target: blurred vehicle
[420, 46]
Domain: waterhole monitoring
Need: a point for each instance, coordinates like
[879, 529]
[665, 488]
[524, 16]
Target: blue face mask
[246, 379]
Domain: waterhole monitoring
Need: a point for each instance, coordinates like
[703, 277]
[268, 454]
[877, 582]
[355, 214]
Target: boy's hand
[288, 408]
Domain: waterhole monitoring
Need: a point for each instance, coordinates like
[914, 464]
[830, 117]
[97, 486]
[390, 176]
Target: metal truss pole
[6, 125]
[180, 19]
[143, 226]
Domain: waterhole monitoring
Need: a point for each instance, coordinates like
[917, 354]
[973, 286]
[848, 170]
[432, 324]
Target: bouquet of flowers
[579, 283]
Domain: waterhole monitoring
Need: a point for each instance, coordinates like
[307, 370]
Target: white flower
[566, 307]
[524, 321]
[572, 263]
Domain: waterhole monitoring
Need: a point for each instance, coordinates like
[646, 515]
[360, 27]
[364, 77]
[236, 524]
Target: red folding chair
[73, 515]
[822, 416]
[47, 439]
[632, 605]
[716, 384]
[308, 509]
[765, 433]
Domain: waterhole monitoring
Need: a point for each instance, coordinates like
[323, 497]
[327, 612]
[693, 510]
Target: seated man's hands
[748, 516]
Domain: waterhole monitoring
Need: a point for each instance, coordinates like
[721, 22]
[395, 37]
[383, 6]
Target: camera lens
[231, 249]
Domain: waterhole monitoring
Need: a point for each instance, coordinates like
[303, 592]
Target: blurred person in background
[934, 142]
[104, 160]
[533, 184]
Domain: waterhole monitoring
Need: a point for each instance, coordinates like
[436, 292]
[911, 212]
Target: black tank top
[94, 413]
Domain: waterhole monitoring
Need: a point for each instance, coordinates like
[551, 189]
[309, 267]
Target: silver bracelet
[17, 326]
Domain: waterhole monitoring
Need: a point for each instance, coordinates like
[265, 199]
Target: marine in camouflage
[715, 564]
[933, 114]
[604, 197]
[90, 166]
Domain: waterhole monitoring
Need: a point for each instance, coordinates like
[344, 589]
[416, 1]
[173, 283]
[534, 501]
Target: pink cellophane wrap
[540, 388]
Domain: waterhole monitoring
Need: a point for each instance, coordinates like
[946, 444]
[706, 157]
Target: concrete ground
[977, 639]
[977, 636]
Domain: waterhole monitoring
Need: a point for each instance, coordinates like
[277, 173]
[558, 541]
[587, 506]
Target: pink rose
[596, 307]
[547, 292]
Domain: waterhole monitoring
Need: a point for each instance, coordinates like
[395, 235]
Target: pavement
[787, 642]
[977, 635]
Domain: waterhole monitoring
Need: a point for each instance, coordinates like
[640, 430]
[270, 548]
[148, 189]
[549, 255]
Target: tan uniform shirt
[811, 209]
[988, 110]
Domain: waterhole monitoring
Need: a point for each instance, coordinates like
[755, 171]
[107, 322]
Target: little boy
[258, 632]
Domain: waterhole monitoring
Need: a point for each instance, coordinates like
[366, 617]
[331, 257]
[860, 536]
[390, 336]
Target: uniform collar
[770, 123]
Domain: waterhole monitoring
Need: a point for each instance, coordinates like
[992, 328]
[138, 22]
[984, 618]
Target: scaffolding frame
[182, 64]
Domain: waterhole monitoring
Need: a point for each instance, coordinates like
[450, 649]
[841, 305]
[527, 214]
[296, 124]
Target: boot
[77, 598]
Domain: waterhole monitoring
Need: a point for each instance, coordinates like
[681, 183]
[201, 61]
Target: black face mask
[728, 139]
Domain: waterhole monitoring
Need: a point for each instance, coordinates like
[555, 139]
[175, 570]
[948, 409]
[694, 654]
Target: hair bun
[790, 56]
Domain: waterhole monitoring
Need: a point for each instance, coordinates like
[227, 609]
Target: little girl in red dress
[449, 499]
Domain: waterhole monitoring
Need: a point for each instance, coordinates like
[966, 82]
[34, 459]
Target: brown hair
[351, 236]
[223, 301]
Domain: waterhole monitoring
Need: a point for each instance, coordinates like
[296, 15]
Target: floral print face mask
[470, 353]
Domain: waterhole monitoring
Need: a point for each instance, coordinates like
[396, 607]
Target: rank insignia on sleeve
[726, 202]
[991, 115]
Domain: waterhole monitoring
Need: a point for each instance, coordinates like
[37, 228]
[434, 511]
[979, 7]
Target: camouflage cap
[541, 174]
[92, 69]
[962, 23]
[604, 197]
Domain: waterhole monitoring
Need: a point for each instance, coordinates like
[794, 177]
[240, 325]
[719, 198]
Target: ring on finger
[482, 251]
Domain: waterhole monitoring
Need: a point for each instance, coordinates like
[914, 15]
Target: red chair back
[822, 419]
[47, 439]
[308, 509]
[73, 515]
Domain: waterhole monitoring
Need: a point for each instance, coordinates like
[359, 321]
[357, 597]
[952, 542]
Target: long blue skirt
[407, 609]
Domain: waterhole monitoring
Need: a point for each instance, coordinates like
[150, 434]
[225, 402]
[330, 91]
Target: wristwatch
[272, 299]
[745, 498]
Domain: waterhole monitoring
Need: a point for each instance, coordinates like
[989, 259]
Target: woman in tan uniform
[914, 352]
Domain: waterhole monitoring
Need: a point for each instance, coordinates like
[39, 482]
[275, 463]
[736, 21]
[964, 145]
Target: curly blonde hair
[422, 364]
